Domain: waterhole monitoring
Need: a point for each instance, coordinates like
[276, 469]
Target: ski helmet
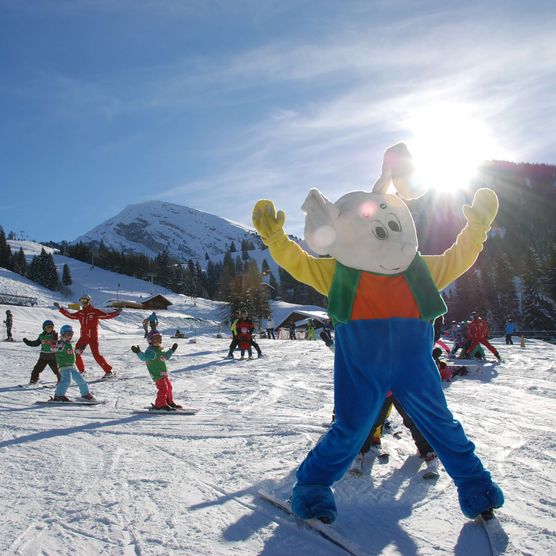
[152, 334]
[66, 329]
[47, 323]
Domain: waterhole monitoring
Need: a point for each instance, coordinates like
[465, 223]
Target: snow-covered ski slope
[103, 480]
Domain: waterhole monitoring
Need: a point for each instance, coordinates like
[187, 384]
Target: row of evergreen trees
[41, 269]
[498, 289]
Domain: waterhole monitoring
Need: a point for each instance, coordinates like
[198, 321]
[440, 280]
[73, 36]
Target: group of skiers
[468, 336]
[242, 328]
[64, 357]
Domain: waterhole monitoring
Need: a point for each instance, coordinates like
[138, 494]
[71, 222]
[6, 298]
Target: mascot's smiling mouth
[395, 268]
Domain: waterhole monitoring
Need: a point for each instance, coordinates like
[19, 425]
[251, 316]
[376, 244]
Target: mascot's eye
[380, 232]
[394, 224]
[383, 205]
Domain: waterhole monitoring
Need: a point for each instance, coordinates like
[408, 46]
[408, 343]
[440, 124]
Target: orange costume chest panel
[383, 297]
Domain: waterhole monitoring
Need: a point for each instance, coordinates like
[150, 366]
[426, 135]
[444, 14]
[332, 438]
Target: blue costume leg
[63, 385]
[360, 385]
[80, 381]
[418, 387]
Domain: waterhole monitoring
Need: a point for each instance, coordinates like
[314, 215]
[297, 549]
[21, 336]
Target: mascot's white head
[373, 231]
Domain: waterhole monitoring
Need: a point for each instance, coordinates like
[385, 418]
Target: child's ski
[326, 531]
[77, 401]
[154, 411]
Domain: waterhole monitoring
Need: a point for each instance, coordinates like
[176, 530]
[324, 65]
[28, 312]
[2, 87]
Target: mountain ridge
[154, 226]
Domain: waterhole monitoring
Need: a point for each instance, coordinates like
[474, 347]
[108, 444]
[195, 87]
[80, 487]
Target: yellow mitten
[267, 221]
[483, 209]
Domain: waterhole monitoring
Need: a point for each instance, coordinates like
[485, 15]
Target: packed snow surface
[103, 480]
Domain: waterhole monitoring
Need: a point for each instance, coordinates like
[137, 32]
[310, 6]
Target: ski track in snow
[101, 480]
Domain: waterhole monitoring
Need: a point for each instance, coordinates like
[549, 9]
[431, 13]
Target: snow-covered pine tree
[20, 263]
[66, 276]
[538, 312]
[506, 296]
[5, 251]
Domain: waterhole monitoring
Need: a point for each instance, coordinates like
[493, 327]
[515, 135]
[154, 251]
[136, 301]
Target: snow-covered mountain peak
[153, 226]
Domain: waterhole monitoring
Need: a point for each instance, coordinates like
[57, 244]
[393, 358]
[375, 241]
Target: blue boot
[313, 501]
[474, 500]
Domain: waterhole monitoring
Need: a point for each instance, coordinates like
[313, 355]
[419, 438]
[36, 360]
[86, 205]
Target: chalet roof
[156, 296]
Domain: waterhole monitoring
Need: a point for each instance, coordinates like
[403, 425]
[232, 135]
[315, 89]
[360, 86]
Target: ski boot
[314, 501]
[480, 499]
[60, 399]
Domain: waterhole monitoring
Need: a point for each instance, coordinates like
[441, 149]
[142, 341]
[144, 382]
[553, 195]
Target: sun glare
[448, 144]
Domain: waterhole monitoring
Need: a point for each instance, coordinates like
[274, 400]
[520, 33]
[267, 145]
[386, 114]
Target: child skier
[447, 372]
[156, 358]
[245, 339]
[46, 339]
[65, 358]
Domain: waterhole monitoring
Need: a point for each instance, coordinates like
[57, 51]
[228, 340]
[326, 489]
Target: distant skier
[66, 356]
[510, 330]
[9, 323]
[155, 358]
[269, 326]
[233, 328]
[88, 317]
[153, 321]
[246, 322]
[47, 338]
[293, 329]
[477, 332]
[145, 327]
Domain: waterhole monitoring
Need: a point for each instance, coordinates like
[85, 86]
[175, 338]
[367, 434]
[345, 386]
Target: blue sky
[215, 104]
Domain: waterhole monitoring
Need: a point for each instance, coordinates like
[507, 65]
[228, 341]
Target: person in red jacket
[88, 317]
[477, 332]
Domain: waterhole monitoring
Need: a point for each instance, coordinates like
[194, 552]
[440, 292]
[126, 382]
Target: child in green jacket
[65, 358]
[155, 358]
[46, 357]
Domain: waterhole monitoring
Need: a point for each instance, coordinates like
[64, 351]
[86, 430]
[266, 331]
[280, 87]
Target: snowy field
[103, 480]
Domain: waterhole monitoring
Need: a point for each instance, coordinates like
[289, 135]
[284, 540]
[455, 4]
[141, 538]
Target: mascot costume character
[381, 289]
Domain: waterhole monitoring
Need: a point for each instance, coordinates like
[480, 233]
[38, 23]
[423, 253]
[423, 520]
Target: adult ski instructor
[88, 317]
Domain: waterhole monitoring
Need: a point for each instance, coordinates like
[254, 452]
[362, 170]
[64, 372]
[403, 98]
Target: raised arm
[103, 315]
[289, 255]
[461, 256]
[66, 313]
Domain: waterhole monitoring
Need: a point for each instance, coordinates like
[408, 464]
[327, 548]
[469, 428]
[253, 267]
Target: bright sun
[448, 144]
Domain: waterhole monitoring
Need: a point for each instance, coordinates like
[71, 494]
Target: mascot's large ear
[398, 169]
[320, 222]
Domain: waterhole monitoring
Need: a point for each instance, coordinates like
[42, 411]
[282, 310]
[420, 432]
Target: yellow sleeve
[460, 257]
[313, 271]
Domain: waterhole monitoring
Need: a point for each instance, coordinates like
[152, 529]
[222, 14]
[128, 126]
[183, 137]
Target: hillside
[102, 480]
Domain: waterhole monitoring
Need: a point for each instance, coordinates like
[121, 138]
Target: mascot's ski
[498, 539]
[321, 528]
